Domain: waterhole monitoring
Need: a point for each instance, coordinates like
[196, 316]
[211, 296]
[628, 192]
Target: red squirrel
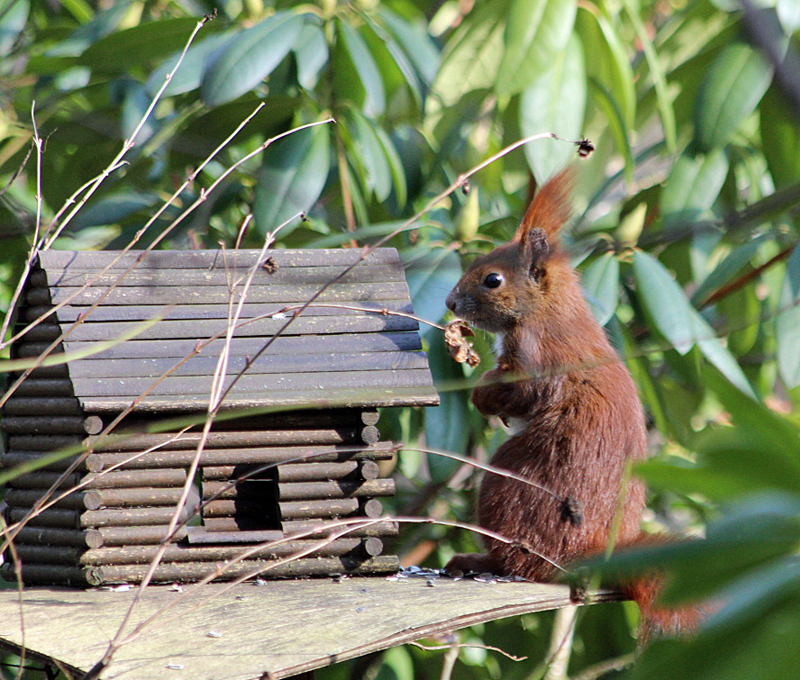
[571, 404]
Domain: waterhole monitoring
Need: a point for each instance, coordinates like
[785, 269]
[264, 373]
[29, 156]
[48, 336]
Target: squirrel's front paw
[491, 399]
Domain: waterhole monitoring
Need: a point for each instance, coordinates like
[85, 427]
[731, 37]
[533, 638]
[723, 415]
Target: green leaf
[601, 286]
[102, 24]
[79, 9]
[663, 97]
[446, 424]
[395, 166]
[356, 76]
[664, 301]
[787, 323]
[718, 354]
[692, 187]
[610, 64]
[730, 92]
[471, 58]
[311, 51]
[741, 456]
[678, 321]
[189, 76]
[121, 50]
[368, 156]
[403, 88]
[788, 15]
[134, 106]
[292, 178]
[13, 15]
[537, 32]
[431, 277]
[780, 136]
[776, 432]
[249, 58]
[417, 45]
[112, 209]
[554, 102]
[728, 269]
[616, 123]
[638, 365]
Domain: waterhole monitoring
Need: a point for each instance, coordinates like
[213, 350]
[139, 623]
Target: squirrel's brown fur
[570, 401]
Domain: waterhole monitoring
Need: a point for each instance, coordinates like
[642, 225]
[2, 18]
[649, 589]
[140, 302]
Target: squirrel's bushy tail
[656, 620]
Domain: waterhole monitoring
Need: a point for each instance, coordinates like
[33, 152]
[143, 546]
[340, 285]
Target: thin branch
[437, 648]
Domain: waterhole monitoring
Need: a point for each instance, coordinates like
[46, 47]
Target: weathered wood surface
[70, 313]
[321, 398]
[284, 345]
[341, 293]
[259, 455]
[362, 356]
[282, 628]
[206, 328]
[210, 259]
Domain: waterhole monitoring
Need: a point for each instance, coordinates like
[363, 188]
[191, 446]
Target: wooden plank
[129, 517]
[99, 367]
[379, 529]
[52, 517]
[33, 442]
[74, 278]
[207, 328]
[208, 259]
[311, 623]
[295, 491]
[119, 536]
[227, 529]
[341, 398]
[97, 538]
[11, 459]
[53, 536]
[240, 456]
[44, 406]
[292, 345]
[70, 313]
[353, 293]
[143, 554]
[95, 499]
[342, 507]
[194, 571]
[246, 438]
[51, 424]
[299, 472]
[119, 479]
[268, 386]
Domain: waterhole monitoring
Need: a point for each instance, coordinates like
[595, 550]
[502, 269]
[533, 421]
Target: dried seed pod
[459, 348]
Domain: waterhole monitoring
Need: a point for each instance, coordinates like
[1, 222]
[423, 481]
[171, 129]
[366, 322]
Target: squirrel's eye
[493, 280]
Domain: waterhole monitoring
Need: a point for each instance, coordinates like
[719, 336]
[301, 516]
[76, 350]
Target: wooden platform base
[276, 630]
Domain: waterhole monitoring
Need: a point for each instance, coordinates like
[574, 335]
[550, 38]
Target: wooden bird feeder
[302, 448]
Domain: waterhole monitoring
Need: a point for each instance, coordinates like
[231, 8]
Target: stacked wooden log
[265, 485]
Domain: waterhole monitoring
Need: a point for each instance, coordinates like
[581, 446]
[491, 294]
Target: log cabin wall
[312, 454]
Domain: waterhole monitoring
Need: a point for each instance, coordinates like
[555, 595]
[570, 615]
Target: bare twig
[461, 645]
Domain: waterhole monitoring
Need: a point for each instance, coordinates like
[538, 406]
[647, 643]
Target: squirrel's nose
[450, 301]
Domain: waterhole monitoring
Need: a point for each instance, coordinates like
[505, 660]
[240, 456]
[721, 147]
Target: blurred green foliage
[685, 230]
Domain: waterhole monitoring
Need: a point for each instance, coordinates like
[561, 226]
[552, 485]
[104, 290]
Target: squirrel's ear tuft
[535, 250]
[550, 208]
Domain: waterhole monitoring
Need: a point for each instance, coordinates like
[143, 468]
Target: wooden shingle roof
[328, 356]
